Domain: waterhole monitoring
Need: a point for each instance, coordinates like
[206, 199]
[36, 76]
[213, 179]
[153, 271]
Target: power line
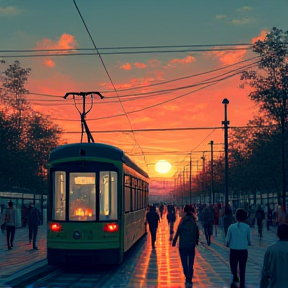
[175, 129]
[162, 82]
[121, 53]
[109, 78]
[124, 47]
[160, 103]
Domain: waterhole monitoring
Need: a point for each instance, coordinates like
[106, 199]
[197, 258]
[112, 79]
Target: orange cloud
[49, 63]
[260, 37]
[126, 66]
[66, 41]
[188, 59]
[140, 65]
[229, 57]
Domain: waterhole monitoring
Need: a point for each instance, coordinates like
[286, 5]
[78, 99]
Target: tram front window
[82, 197]
[59, 195]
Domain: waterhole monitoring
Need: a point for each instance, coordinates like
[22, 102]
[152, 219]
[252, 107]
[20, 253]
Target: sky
[38, 25]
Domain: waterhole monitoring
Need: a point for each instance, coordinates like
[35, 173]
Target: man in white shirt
[238, 239]
[275, 266]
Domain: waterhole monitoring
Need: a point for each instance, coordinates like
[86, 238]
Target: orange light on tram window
[111, 227]
[55, 227]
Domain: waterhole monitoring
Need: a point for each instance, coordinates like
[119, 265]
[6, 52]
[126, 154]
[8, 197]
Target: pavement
[147, 267]
[22, 258]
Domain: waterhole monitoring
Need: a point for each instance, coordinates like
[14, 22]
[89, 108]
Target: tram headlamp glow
[111, 227]
[55, 227]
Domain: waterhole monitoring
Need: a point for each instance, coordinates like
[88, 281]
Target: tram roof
[94, 150]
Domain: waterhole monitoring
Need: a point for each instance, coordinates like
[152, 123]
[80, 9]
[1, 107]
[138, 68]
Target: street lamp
[226, 123]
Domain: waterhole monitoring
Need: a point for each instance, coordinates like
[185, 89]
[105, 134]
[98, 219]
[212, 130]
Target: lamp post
[226, 123]
[212, 174]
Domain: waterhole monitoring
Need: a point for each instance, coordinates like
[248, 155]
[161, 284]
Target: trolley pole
[226, 123]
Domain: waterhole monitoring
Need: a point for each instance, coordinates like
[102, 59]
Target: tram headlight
[55, 227]
[111, 227]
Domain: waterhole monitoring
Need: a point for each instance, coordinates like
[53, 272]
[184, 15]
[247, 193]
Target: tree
[270, 86]
[27, 137]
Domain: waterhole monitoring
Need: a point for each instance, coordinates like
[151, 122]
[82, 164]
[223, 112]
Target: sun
[163, 166]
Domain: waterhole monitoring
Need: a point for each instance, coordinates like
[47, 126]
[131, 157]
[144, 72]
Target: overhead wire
[111, 81]
[160, 103]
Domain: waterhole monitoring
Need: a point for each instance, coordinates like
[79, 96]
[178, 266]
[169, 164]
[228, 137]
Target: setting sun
[163, 166]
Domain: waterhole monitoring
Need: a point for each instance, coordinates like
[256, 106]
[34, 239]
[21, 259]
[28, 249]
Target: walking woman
[10, 218]
[188, 233]
[238, 240]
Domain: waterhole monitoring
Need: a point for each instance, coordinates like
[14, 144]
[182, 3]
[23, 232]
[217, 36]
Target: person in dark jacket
[207, 222]
[228, 219]
[152, 218]
[269, 217]
[33, 223]
[171, 218]
[260, 216]
[188, 233]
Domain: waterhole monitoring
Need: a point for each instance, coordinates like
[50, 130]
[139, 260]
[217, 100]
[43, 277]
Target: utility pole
[190, 178]
[83, 114]
[203, 177]
[212, 174]
[226, 123]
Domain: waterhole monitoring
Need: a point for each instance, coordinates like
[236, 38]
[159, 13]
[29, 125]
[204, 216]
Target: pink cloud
[140, 65]
[66, 41]
[260, 37]
[188, 59]
[49, 63]
[126, 66]
[229, 57]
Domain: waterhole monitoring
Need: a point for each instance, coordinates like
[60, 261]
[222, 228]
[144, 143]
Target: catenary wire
[100, 57]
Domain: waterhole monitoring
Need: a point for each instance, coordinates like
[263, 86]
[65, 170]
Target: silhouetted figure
[260, 216]
[189, 237]
[153, 218]
[207, 222]
[161, 210]
[10, 219]
[171, 218]
[228, 219]
[275, 266]
[33, 223]
[238, 239]
[269, 217]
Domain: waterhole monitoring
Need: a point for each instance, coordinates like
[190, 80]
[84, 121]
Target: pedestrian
[275, 265]
[33, 223]
[188, 234]
[238, 239]
[207, 222]
[228, 219]
[269, 217]
[10, 220]
[217, 208]
[171, 218]
[260, 216]
[152, 218]
[161, 209]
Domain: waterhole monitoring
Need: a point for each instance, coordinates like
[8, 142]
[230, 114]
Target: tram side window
[127, 193]
[82, 196]
[108, 195]
[59, 196]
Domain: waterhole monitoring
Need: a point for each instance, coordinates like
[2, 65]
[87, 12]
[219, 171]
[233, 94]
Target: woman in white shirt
[238, 239]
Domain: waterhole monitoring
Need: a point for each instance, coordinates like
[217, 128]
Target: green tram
[96, 203]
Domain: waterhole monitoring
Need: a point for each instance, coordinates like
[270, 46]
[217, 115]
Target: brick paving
[146, 268]
[22, 258]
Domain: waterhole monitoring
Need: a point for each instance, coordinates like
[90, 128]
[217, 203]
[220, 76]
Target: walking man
[188, 233]
[275, 266]
[10, 219]
[207, 222]
[152, 217]
[260, 216]
[238, 239]
[33, 223]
